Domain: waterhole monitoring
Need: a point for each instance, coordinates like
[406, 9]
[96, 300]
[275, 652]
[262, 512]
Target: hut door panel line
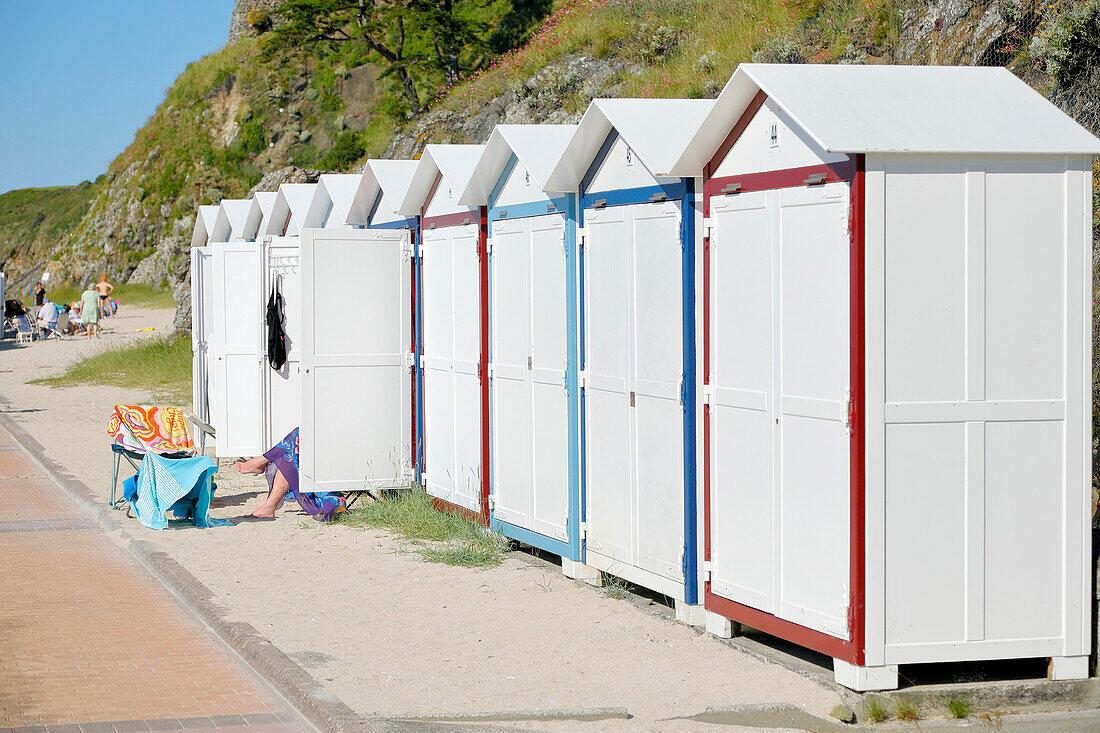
[657, 309]
[466, 314]
[284, 390]
[608, 366]
[512, 433]
[200, 286]
[548, 354]
[437, 303]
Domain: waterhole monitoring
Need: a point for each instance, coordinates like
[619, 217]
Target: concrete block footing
[579, 571]
[720, 626]
[1068, 668]
[865, 679]
[689, 614]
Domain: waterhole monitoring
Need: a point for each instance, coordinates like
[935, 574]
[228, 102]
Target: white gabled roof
[454, 162]
[537, 147]
[897, 109]
[657, 130]
[340, 189]
[244, 218]
[392, 177]
[301, 200]
[211, 225]
[266, 201]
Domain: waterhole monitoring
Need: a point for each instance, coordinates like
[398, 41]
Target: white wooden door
[779, 392]
[634, 419]
[356, 397]
[530, 480]
[200, 312]
[284, 387]
[238, 335]
[452, 349]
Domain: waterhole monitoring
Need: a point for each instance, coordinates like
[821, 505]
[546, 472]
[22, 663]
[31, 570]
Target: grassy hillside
[32, 220]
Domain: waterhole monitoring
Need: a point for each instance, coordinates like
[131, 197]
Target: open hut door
[238, 345]
[356, 360]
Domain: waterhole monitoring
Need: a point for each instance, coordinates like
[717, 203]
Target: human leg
[279, 489]
[253, 465]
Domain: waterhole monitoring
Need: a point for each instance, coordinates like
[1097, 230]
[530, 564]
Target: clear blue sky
[78, 78]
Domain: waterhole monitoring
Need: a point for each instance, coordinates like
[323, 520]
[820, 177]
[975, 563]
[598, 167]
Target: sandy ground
[388, 633]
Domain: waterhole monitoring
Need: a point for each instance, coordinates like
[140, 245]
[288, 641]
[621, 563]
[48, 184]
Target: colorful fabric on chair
[155, 429]
[177, 485]
[314, 503]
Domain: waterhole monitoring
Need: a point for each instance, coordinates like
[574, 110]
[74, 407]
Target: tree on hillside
[402, 34]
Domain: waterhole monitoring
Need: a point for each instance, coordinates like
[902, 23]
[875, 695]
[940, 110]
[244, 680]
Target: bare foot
[264, 513]
[253, 465]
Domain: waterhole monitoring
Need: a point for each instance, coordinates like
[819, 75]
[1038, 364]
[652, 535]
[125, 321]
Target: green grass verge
[143, 295]
[434, 535]
[160, 364]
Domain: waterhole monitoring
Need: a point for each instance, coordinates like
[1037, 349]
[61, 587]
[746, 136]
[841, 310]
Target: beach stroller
[169, 477]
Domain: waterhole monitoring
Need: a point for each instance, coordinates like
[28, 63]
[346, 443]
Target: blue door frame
[684, 191]
[412, 223]
[564, 206]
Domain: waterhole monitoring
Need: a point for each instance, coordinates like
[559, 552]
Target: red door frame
[851, 651]
[463, 218]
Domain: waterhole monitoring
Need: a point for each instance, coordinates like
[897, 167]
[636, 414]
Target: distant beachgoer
[89, 311]
[39, 294]
[104, 289]
[47, 316]
[280, 465]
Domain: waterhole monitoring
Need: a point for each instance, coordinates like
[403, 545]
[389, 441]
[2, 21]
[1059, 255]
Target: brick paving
[88, 642]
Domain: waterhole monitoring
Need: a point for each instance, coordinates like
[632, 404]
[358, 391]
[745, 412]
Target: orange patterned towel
[156, 429]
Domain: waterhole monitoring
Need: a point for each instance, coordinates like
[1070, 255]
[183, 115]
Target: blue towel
[177, 485]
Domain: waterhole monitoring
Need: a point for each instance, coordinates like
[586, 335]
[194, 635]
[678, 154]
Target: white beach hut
[534, 416]
[638, 313]
[454, 328]
[211, 225]
[897, 351]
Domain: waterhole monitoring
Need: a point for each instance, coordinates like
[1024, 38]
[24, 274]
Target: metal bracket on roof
[432, 225]
[551, 207]
[658, 197]
[502, 214]
[599, 203]
[467, 220]
[816, 179]
[732, 188]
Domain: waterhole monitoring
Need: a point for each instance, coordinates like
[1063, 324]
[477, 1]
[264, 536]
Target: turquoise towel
[178, 485]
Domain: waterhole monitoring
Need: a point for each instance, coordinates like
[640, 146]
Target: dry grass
[161, 365]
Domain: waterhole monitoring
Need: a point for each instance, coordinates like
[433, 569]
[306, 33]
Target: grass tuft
[907, 710]
[958, 707]
[159, 364]
[437, 536]
[615, 587]
[875, 710]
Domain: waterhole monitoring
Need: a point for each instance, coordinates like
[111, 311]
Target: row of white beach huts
[813, 357]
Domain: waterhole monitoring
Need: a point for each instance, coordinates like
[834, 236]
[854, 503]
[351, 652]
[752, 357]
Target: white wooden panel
[439, 426]
[445, 201]
[520, 188]
[201, 331]
[467, 351]
[658, 414]
[622, 168]
[609, 286]
[549, 405]
[512, 408]
[355, 387]
[742, 482]
[755, 151]
[813, 381]
[238, 328]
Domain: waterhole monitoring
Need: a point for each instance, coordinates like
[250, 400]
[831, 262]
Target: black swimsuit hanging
[276, 333]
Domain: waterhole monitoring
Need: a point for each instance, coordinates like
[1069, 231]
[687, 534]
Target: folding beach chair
[24, 330]
[169, 477]
[60, 329]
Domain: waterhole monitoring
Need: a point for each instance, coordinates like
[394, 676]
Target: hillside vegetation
[319, 85]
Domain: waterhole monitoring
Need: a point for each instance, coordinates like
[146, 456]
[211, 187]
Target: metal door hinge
[582, 378]
[423, 361]
[707, 392]
[491, 370]
[582, 237]
[584, 530]
[708, 227]
[708, 566]
[489, 246]
[849, 410]
[683, 392]
[406, 250]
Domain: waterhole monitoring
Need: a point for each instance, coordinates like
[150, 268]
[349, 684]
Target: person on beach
[280, 466]
[47, 317]
[39, 294]
[104, 289]
[89, 311]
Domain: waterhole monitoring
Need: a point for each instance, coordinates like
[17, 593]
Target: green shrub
[347, 149]
[251, 138]
[1066, 45]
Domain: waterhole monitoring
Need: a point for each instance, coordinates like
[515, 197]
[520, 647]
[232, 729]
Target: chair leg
[114, 477]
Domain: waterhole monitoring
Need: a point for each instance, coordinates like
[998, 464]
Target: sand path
[388, 633]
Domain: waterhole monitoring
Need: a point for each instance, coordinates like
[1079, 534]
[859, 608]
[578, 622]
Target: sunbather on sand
[280, 465]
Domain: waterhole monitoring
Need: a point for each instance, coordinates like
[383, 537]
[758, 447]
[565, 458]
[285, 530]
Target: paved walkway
[88, 642]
